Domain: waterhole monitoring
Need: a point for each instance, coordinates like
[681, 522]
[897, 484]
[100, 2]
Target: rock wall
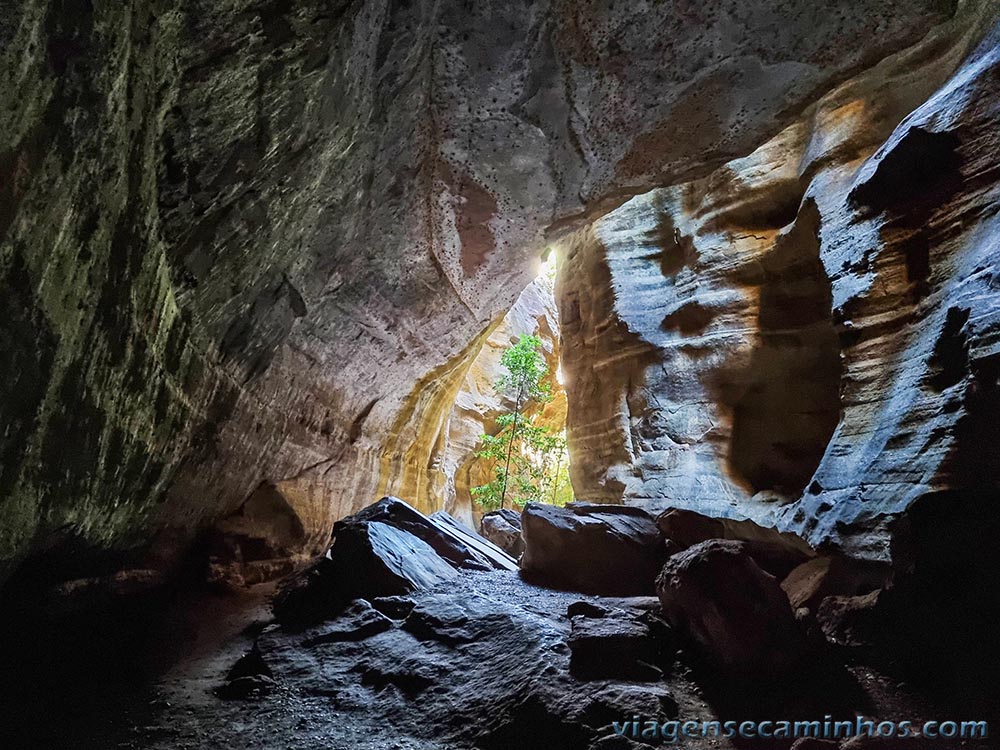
[236, 236]
[808, 335]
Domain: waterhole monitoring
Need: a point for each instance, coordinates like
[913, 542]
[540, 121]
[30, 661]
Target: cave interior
[260, 262]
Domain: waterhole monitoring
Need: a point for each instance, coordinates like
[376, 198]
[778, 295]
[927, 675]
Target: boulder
[617, 645]
[377, 559]
[461, 547]
[369, 559]
[776, 552]
[387, 549]
[849, 620]
[808, 584]
[723, 601]
[610, 550]
[503, 528]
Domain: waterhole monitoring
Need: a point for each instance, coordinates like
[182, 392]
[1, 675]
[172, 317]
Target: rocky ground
[415, 633]
[487, 664]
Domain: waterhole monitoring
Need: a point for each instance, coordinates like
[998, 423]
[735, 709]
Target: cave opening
[517, 384]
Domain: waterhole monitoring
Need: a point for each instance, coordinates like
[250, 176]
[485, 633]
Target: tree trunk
[555, 477]
[510, 443]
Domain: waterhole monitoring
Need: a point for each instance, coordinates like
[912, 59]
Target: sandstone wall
[808, 335]
[235, 236]
[438, 467]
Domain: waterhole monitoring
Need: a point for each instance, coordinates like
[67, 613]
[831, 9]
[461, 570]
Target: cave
[270, 272]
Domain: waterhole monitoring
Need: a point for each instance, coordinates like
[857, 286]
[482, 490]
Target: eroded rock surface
[251, 242]
[807, 336]
[623, 643]
[483, 664]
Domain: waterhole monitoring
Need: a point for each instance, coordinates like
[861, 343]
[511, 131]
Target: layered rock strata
[807, 336]
[235, 238]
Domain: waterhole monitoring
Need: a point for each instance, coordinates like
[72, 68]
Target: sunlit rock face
[237, 236]
[808, 335]
[435, 463]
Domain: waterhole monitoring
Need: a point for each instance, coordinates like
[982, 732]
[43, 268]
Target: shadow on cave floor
[87, 672]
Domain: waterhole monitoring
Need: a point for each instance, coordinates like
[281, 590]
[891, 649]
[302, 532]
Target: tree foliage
[528, 461]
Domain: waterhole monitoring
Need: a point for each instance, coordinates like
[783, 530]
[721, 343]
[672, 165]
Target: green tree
[523, 453]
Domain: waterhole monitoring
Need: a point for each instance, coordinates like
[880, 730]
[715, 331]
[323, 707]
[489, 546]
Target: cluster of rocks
[418, 621]
[749, 598]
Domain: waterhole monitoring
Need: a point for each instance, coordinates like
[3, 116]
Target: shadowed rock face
[234, 238]
[719, 597]
[598, 549]
[807, 336]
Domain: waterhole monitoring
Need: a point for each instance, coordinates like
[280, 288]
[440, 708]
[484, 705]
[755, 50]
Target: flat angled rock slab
[476, 543]
[461, 547]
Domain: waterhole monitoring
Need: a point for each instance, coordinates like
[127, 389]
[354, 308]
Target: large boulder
[388, 549]
[503, 528]
[736, 612]
[849, 620]
[368, 559]
[458, 545]
[377, 559]
[610, 550]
